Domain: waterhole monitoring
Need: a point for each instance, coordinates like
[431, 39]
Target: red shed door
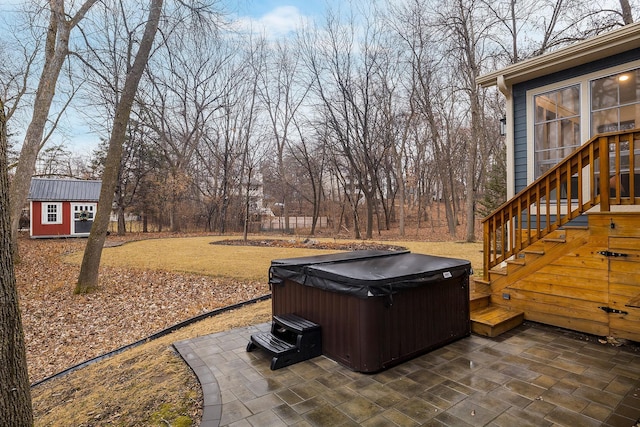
[82, 215]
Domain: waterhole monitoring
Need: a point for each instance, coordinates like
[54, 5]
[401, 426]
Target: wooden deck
[584, 278]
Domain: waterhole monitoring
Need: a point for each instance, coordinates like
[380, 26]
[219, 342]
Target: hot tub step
[292, 339]
[295, 323]
[492, 321]
[271, 344]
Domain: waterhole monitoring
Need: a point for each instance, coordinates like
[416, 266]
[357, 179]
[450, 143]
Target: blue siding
[582, 220]
[520, 136]
[519, 105]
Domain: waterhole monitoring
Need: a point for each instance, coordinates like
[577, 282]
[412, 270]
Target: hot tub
[376, 308]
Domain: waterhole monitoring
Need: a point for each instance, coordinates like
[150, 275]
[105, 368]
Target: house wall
[520, 106]
[41, 230]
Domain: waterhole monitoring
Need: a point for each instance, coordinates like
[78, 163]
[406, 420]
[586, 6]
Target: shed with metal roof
[62, 207]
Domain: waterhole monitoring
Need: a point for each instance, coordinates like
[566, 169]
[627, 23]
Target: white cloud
[279, 22]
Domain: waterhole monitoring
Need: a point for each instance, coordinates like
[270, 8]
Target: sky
[277, 17]
[273, 18]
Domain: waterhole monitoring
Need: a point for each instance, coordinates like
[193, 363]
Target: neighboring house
[565, 248]
[62, 207]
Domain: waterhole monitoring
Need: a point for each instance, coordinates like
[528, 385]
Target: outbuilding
[62, 207]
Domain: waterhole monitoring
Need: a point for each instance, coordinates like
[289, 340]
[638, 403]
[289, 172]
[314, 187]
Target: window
[51, 213]
[615, 106]
[84, 212]
[615, 102]
[556, 127]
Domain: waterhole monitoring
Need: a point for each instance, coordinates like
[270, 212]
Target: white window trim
[45, 218]
[585, 116]
[73, 219]
[585, 106]
[530, 142]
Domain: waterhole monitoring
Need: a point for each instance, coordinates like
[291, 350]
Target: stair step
[498, 272]
[575, 227]
[533, 252]
[478, 300]
[272, 344]
[295, 323]
[492, 321]
[292, 339]
[554, 240]
[516, 262]
[480, 286]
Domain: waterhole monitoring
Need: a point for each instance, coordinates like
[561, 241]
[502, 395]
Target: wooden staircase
[491, 320]
[292, 339]
[492, 312]
[540, 265]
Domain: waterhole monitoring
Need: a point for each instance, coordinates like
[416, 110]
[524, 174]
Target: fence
[278, 223]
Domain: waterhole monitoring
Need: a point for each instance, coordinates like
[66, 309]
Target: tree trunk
[471, 184]
[88, 278]
[56, 51]
[627, 16]
[401, 191]
[245, 229]
[370, 200]
[15, 394]
[122, 224]
[174, 216]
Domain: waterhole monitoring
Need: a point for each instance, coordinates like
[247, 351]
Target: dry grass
[197, 255]
[147, 385]
[150, 385]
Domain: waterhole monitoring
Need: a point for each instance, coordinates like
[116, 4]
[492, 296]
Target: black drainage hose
[157, 335]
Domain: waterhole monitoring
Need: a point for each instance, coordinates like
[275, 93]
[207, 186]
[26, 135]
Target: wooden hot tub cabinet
[376, 308]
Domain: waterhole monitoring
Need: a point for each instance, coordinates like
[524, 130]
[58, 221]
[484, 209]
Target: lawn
[197, 255]
[146, 285]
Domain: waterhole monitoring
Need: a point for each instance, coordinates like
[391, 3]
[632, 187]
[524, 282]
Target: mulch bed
[311, 244]
[62, 329]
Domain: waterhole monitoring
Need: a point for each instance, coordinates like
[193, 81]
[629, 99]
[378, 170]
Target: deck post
[603, 150]
[486, 248]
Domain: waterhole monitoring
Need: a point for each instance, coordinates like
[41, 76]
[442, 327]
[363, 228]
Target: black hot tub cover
[368, 273]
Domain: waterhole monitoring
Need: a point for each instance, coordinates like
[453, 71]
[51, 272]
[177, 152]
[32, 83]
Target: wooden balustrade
[565, 192]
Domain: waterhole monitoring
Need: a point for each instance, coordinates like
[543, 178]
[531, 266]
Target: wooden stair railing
[542, 207]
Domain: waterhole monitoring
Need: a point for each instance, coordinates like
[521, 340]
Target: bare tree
[313, 159]
[467, 28]
[56, 51]
[88, 278]
[625, 11]
[282, 93]
[348, 71]
[525, 28]
[56, 160]
[228, 133]
[186, 91]
[15, 71]
[15, 394]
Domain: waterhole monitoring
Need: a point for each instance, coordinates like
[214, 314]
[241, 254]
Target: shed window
[557, 126]
[52, 213]
[84, 212]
